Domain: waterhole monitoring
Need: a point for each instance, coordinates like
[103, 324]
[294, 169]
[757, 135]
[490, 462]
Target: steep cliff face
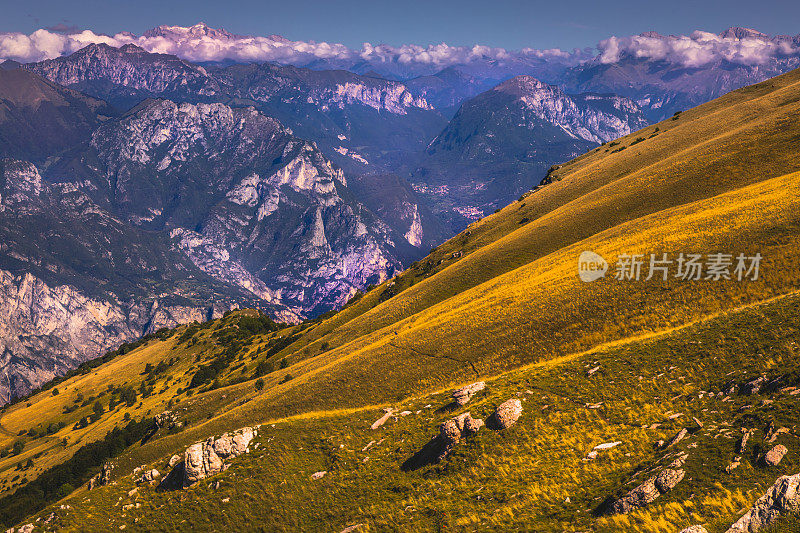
[525, 111]
[247, 201]
[365, 125]
[47, 330]
[592, 117]
[76, 281]
[173, 210]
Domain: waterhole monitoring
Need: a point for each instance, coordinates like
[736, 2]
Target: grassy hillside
[501, 302]
[526, 474]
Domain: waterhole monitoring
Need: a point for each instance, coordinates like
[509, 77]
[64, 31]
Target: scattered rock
[506, 414]
[353, 528]
[175, 459]
[647, 492]
[319, 475]
[388, 411]
[464, 394]
[743, 443]
[450, 433]
[667, 479]
[149, 476]
[737, 461]
[782, 497]
[203, 459]
[679, 461]
[694, 529]
[133, 492]
[103, 478]
[775, 455]
[773, 435]
[699, 424]
[405, 413]
[677, 438]
[592, 370]
[754, 386]
[607, 445]
[226, 500]
[167, 420]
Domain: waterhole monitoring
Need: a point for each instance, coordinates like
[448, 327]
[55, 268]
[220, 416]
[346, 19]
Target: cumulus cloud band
[202, 43]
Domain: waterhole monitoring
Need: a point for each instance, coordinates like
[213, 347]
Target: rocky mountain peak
[736, 32]
[201, 29]
[524, 85]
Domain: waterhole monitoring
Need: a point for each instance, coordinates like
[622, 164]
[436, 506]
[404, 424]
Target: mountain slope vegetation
[615, 360]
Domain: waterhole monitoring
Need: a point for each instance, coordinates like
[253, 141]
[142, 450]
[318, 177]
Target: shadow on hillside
[428, 455]
[447, 408]
[173, 480]
[605, 507]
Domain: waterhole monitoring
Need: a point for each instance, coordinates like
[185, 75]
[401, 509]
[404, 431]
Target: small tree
[259, 384]
[98, 410]
[18, 447]
[56, 391]
[263, 368]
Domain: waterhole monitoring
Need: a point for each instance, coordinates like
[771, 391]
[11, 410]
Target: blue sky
[510, 24]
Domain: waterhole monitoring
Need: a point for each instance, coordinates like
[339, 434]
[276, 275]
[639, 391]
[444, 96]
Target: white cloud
[698, 49]
[201, 43]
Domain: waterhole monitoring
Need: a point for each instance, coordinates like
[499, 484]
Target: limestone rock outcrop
[783, 497]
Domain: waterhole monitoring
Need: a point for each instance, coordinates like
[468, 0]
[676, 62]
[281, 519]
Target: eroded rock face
[506, 414]
[775, 455]
[103, 478]
[464, 394]
[278, 219]
[648, 491]
[203, 459]
[781, 498]
[47, 330]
